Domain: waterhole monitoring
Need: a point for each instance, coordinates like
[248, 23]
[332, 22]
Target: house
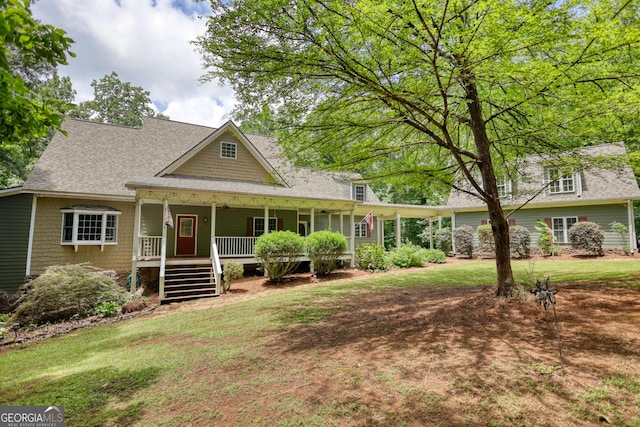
[176, 199]
[561, 195]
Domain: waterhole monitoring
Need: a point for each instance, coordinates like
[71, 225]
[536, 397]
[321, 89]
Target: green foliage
[443, 240]
[546, 241]
[280, 253]
[232, 271]
[520, 240]
[434, 256]
[463, 238]
[26, 41]
[371, 257]
[115, 102]
[485, 237]
[623, 235]
[324, 248]
[65, 291]
[107, 308]
[407, 255]
[588, 236]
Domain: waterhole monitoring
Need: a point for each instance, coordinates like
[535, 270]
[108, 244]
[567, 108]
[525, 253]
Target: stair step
[189, 291]
[186, 298]
[188, 288]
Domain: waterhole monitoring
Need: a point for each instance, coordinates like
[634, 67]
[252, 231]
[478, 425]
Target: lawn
[419, 348]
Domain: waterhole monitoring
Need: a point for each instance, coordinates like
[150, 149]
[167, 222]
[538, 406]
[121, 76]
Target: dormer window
[228, 150]
[504, 187]
[360, 193]
[560, 180]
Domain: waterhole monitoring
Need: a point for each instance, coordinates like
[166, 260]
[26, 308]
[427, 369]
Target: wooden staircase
[187, 282]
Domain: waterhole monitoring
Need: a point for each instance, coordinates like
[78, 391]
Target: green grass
[136, 371]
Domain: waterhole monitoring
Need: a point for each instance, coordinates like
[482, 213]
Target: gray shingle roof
[598, 185]
[100, 159]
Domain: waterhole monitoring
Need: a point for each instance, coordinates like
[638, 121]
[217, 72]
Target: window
[360, 229]
[561, 228]
[89, 225]
[258, 226]
[504, 187]
[228, 150]
[359, 192]
[560, 180]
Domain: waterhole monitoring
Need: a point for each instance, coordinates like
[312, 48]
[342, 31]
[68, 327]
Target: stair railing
[215, 263]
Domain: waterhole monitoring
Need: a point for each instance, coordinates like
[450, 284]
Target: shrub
[463, 237]
[623, 235]
[546, 241]
[520, 241]
[434, 256]
[588, 236]
[65, 291]
[324, 249]
[279, 253]
[231, 271]
[442, 240]
[7, 302]
[485, 237]
[107, 309]
[371, 257]
[407, 255]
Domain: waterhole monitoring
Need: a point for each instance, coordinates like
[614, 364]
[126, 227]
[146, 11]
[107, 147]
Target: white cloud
[148, 43]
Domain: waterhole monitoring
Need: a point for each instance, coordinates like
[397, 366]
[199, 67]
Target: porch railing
[235, 246]
[149, 246]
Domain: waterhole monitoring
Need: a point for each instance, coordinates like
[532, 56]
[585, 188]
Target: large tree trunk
[499, 223]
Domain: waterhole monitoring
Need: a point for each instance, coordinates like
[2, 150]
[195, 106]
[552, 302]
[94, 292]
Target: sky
[147, 43]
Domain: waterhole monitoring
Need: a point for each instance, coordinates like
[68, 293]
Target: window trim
[565, 229]
[364, 192]
[224, 144]
[259, 218]
[76, 212]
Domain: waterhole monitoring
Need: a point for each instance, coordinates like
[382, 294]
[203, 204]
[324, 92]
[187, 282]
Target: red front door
[186, 234]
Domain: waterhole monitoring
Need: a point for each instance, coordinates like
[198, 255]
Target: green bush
[520, 241]
[547, 241]
[65, 291]
[623, 234]
[407, 255]
[371, 257]
[463, 237]
[434, 256]
[324, 249]
[442, 240]
[107, 309]
[485, 238]
[231, 271]
[588, 236]
[279, 253]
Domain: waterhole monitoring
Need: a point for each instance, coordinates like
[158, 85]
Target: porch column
[312, 221]
[430, 233]
[213, 222]
[341, 223]
[453, 227]
[352, 243]
[632, 227]
[163, 248]
[382, 231]
[439, 222]
[329, 219]
[136, 245]
[398, 230]
[266, 220]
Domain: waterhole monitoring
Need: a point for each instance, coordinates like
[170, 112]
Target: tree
[452, 90]
[115, 102]
[26, 44]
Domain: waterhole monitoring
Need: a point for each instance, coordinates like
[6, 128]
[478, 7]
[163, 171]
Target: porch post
[213, 221]
[341, 223]
[329, 219]
[163, 248]
[632, 227]
[398, 230]
[382, 231]
[136, 245]
[430, 233]
[379, 234]
[266, 220]
[312, 221]
[352, 243]
[453, 227]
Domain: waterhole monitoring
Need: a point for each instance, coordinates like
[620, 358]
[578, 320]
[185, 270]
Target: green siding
[603, 215]
[14, 240]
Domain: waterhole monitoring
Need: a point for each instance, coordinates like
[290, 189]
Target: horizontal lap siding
[48, 251]
[14, 240]
[603, 215]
